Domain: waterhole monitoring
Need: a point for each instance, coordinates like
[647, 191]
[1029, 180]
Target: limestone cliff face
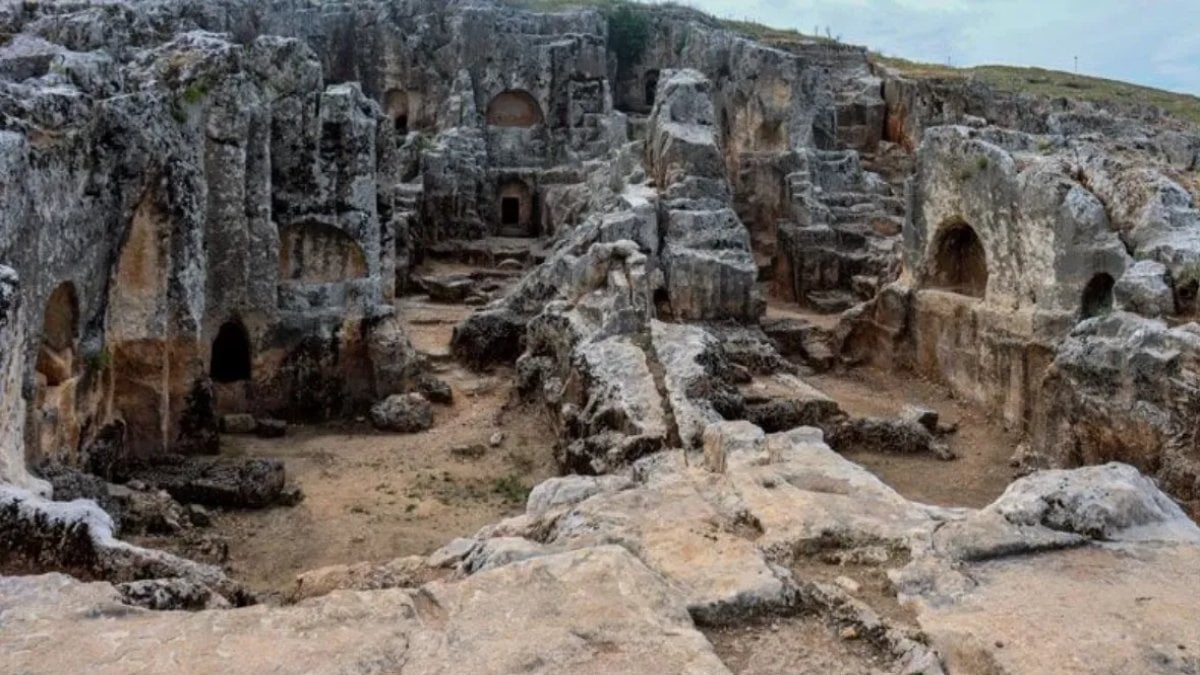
[12, 405]
[178, 206]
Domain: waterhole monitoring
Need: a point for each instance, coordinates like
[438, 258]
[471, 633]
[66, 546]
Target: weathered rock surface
[12, 406]
[629, 620]
[1145, 289]
[78, 538]
[235, 483]
[710, 273]
[690, 360]
[404, 413]
[1123, 387]
[406, 572]
[170, 594]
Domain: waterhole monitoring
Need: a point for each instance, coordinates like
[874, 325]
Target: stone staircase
[842, 242]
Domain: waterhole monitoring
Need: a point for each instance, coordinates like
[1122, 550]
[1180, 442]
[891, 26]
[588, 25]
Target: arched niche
[319, 253]
[514, 209]
[514, 108]
[1097, 297]
[959, 261]
[230, 359]
[60, 328]
[395, 105]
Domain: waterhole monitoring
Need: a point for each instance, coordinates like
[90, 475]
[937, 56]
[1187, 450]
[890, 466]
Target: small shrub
[1188, 274]
[628, 32]
[194, 93]
[425, 143]
[511, 488]
[981, 163]
[681, 41]
[100, 361]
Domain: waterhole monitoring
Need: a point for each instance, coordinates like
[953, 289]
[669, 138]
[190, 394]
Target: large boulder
[405, 413]
[1145, 289]
[1122, 388]
[487, 338]
[1110, 501]
[216, 481]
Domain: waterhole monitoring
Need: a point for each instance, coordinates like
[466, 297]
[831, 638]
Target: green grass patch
[100, 361]
[194, 93]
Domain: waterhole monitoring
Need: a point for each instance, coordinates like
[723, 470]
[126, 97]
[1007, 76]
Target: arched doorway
[959, 263]
[1097, 297]
[230, 358]
[514, 108]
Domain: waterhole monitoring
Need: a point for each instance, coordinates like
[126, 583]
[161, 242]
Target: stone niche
[1097, 299]
[56, 425]
[959, 263]
[514, 108]
[324, 267]
[318, 253]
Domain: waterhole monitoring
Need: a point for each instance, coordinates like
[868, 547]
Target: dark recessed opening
[1097, 296]
[402, 124]
[960, 264]
[651, 87]
[231, 353]
[510, 211]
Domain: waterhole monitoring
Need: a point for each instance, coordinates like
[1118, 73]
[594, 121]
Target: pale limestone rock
[404, 413]
[632, 620]
[566, 491]
[452, 553]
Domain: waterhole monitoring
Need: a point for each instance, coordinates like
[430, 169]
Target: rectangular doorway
[510, 211]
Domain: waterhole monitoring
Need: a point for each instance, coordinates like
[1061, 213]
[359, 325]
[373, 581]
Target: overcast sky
[1152, 42]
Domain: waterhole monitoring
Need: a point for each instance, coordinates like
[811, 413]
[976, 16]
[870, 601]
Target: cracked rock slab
[591, 611]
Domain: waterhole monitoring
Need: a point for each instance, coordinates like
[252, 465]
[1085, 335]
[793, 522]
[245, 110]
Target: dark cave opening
[1097, 296]
[231, 353]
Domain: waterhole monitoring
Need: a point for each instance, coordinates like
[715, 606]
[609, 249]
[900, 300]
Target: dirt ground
[798, 644]
[975, 479]
[373, 496]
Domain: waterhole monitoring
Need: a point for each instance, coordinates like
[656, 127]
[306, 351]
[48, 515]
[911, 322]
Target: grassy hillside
[1055, 83]
[1038, 81]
